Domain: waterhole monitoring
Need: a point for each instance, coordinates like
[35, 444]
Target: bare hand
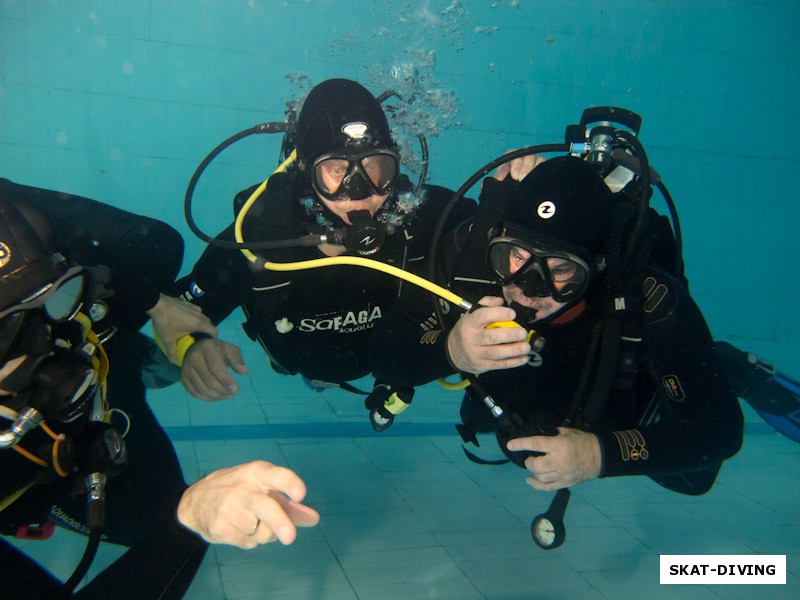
[173, 318]
[519, 167]
[475, 349]
[247, 505]
[205, 372]
[570, 457]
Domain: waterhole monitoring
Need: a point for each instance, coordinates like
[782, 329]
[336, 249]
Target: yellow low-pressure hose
[237, 228]
[358, 261]
[335, 260]
[453, 387]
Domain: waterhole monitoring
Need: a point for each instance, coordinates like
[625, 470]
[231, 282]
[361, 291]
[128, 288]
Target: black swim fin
[774, 395]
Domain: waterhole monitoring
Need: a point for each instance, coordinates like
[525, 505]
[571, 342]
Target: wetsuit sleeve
[698, 423]
[144, 260]
[142, 253]
[218, 281]
[221, 279]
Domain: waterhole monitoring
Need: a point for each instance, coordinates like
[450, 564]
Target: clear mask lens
[60, 300]
[337, 177]
[538, 271]
[66, 299]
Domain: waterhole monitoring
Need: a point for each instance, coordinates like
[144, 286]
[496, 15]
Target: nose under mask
[355, 187]
[533, 285]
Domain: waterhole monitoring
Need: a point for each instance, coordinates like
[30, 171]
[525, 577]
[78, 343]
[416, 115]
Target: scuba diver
[346, 180]
[610, 369]
[79, 446]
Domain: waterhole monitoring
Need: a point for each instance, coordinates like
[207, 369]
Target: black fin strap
[352, 389]
[482, 461]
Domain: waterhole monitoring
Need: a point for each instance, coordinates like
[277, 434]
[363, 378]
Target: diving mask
[341, 175]
[58, 302]
[50, 363]
[538, 269]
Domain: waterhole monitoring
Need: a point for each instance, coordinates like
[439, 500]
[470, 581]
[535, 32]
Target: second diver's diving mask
[40, 345]
[340, 174]
[59, 300]
[539, 268]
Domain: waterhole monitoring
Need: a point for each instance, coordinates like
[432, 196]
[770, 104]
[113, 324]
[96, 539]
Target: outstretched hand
[247, 505]
[473, 348]
[205, 372]
[569, 458]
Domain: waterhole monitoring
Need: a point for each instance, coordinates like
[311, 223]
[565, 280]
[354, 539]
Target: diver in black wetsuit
[662, 406]
[71, 361]
[317, 322]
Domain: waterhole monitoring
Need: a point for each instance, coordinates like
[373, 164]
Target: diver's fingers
[475, 348]
[216, 356]
[487, 315]
[302, 515]
[500, 338]
[204, 372]
[222, 531]
[501, 345]
[234, 358]
[569, 458]
[502, 171]
[196, 309]
[491, 301]
[544, 487]
[520, 167]
[535, 443]
[269, 477]
[242, 505]
[279, 505]
[195, 384]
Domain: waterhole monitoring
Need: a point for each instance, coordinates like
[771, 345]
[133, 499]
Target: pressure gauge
[546, 533]
[548, 529]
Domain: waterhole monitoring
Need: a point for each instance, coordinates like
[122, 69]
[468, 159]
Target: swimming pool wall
[120, 100]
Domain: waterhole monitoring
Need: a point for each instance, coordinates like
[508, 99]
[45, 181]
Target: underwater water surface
[120, 101]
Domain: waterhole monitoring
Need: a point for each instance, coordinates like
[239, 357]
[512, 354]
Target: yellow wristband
[182, 345]
[185, 342]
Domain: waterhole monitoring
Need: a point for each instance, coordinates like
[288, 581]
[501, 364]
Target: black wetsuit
[315, 322]
[694, 421]
[144, 256]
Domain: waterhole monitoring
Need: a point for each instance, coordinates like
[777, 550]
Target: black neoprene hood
[334, 107]
[564, 200]
[25, 264]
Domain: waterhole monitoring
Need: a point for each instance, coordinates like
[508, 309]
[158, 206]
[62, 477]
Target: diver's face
[544, 306]
[330, 175]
